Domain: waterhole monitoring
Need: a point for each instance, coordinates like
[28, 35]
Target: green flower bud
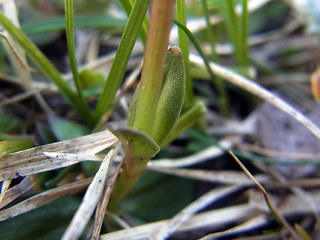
[171, 97]
[133, 108]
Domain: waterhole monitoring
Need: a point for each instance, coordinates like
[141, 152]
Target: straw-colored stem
[155, 55]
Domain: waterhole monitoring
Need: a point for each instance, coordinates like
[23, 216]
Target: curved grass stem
[223, 100]
[119, 65]
[72, 55]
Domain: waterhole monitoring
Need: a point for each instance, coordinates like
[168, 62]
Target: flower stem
[155, 55]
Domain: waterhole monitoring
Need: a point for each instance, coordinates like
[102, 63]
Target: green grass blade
[214, 55]
[118, 67]
[184, 46]
[56, 24]
[44, 64]
[244, 33]
[14, 145]
[223, 101]
[210, 32]
[70, 43]
[237, 28]
[127, 6]
[232, 26]
[72, 55]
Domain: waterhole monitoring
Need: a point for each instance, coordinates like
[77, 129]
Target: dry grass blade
[261, 92]
[306, 182]
[4, 189]
[277, 154]
[279, 218]
[118, 220]
[223, 177]
[172, 225]
[248, 225]
[89, 201]
[205, 155]
[16, 191]
[302, 232]
[219, 218]
[43, 198]
[19, 97]
[33, 160]
[291, 207]
[9, 79]
[17, 55]
[306, 198]
[261, 38]
[102, 205]
[74, 156]
[213, 218]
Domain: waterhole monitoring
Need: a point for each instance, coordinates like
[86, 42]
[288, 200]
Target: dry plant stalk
[278, 217]
[259, 91]
[90, 200]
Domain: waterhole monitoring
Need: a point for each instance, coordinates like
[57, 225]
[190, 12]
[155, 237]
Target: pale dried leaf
[118, 220]
[223, 177]
[16, 191]
[259, 91]
[4, 189]
[219, 218]
[292, 205]
[212, 219]
[89, 201]
[172, 225]
[201, 156]
[102, 205]
[204, 155]
[246, 226]
[33, 160]
[42, 198]
[74, 157]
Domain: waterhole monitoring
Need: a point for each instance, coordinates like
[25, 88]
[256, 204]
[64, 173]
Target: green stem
[71, 53]
[184, 46]
[223, 102]
[155, 55]
[127, 6]
[210, 32]
[244, 33]
[127, 179]
[232, 27]
[119, 65]
[139, 148]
